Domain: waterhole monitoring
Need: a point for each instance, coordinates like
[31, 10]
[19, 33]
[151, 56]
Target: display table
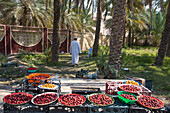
[87, 107]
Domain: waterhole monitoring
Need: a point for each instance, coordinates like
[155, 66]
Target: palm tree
[158, 27]
[164, 39]
[168, 49]
[117, 34]
[97, 34]
[26, 13]
[150, 9]
[55, 39]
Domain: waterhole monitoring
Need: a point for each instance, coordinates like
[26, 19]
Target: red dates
[130, 97]
[39, 77]
[101, 99]
[45, 98]
[130, 88]
[150, 102]
[72, 99]
[17, 98]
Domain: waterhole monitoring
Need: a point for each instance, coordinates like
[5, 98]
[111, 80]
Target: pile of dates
[72, 99]
[48, 85]
[130, 97]
[150, 102]
[101, 99]
[39, 77]
[17, 98]
[45, 98]
[130, 88]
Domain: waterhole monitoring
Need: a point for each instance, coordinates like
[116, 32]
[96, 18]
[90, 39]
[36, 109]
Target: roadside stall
[40, 93]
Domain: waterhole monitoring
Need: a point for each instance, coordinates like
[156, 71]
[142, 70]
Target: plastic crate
[65, 109]
[112, 88]
[107, 110]
[148, 84]
[26, 108]
[117, 107]
[10, 109]
[137, 108]
[145, 91]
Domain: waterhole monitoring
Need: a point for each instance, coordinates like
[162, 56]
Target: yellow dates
[48, 85]
[132, 82]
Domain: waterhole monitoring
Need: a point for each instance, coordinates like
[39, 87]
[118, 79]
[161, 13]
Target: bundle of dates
[17, 98]
[72, 99]
[39, 77]
[45, 98]
[130, 88]
[130, 97]
[101, 99]
[150, 102]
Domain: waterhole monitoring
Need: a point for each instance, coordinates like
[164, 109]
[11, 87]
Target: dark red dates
[17, 98]
[101, 99]
[150, 102]
[130, 97]
[72, 99]
[130, 88]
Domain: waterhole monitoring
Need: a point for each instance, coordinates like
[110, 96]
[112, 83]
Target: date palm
[117, 34]
[164, 40]
[168, 49]
[55, 39]
[25, 13]
[97, 33]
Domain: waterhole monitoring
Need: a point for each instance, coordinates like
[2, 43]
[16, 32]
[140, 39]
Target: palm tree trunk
[84, 8]
[164, 39]
[106, 11]
[46, 6]
[124, 36]
[69, 6]
[97, 34]
[55, 40]
[129, 38]
[133, 37]
[162, 6]
[24, 19]
[168, 49]
[150, 9]
[77, 4]
[50, 2]
[62, 14]
[92, 9]
[132, 9]
[117, 33]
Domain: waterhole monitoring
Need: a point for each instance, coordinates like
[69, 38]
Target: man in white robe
[75, 50]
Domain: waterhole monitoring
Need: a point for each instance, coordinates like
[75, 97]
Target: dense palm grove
[128, 22]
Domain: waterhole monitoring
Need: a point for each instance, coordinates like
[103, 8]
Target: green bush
[2, 58]
[102, 59]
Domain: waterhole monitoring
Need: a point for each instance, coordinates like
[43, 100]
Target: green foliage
[33, 59]
[126, 58]
[102, 59]
[47, 53]
[2, 58]
[141, 66]
[112, 71]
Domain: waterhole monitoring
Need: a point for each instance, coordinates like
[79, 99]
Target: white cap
[75, 37]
